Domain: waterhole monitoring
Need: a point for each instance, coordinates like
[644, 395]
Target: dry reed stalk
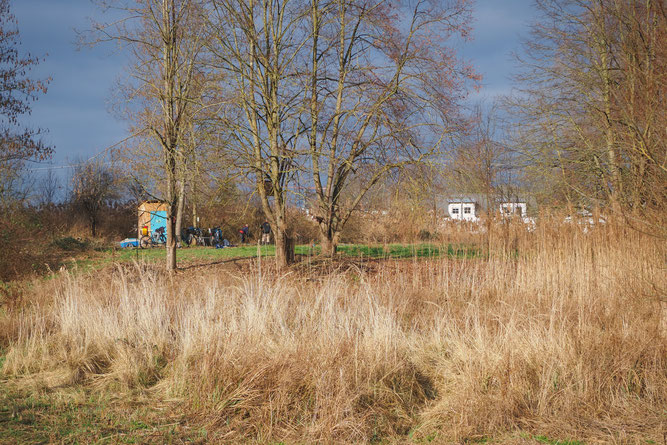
[557, 332]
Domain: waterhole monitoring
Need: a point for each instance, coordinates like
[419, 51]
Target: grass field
[212, 255]
[85, 418]
[563, 344]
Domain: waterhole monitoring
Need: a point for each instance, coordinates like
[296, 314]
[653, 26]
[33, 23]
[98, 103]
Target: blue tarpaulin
[129, 242]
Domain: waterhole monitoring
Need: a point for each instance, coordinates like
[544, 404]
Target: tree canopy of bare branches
[592, 94]
[93, 186]
[382, 92]
[18, 143]
[339, 92]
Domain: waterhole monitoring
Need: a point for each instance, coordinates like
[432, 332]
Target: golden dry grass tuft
[559, 332]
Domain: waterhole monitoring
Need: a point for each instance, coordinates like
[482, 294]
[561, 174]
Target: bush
[70, 244]
[24, 246]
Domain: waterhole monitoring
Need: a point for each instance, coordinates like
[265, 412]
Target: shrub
[70, 244]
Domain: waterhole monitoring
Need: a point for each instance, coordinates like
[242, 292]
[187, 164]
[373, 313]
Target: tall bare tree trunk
[610, 141]
[329, 242]
[179, 211]
[171, 241]
[170, 138]
[284, 246]
[172, 203]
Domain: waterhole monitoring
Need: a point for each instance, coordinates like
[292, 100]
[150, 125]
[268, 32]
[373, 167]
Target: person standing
[266, 233]
[245, 233]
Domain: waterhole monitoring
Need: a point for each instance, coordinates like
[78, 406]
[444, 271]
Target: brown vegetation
[36, 239]
[558, 333]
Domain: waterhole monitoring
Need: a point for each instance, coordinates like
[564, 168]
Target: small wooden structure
[153, 215]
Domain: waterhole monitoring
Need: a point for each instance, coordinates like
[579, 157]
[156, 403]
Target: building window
[466, 210]
[455, 211]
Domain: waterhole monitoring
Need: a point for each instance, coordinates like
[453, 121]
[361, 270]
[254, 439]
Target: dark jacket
[266, 227]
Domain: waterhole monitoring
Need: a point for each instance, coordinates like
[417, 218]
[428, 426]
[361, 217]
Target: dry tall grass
[559, 332]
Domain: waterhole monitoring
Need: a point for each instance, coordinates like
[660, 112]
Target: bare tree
[165, 38]
[48, 187]
[339, 91]
[94, 186]
[592, 97]
[18, 143]
[638, 95]
[256, 45]
[382, 94]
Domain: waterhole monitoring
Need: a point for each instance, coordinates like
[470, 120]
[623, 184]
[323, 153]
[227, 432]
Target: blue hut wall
[158, 219]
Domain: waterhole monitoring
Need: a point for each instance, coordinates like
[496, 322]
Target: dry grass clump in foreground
[566, 339]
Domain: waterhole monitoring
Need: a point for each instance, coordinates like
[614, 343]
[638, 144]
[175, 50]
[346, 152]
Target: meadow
[199, 254]
[555, 336]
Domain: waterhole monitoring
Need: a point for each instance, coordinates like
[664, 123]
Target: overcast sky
[76, 108]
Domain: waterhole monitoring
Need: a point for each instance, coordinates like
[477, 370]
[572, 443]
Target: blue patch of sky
[75, 110]
[497, 29]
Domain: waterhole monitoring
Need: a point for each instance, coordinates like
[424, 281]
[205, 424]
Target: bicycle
[189, 235]
[194, 236]
[154, 239]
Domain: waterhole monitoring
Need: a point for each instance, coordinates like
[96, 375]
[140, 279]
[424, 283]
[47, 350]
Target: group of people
[265, 228]
[213, 236]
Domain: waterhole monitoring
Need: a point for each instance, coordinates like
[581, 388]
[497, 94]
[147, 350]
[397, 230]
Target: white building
[471, 207]
[464, 210]
[513, 208]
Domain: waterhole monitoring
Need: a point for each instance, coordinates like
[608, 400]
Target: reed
[556, 332]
